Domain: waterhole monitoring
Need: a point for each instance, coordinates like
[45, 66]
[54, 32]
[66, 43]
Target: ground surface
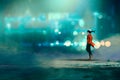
[66, 69]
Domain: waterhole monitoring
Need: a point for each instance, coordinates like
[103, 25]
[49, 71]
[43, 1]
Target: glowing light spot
[97, 45]
[51, 44]
[83, 33]
[96, 13]
[8, 25]
[100, 16]
[81, 23]
[67, 43]
[75, 43]
[102, 43]
[44, 32]
[57, 42]
[33, 19]
[107, 43]
[59, 32]
[75, 33]
[54, 16]
[39, 44]
[56, 30]
[83, 43]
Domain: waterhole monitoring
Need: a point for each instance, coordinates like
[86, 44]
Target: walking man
[89, 43]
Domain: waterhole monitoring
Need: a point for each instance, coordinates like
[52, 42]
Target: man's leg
[88, 48]
[90, 53]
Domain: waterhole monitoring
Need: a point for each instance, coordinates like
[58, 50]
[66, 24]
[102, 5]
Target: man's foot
[90, 57]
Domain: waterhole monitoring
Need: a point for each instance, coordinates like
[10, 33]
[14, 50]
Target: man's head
[90, 31]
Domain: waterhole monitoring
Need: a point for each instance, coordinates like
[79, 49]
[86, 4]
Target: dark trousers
[88, 49]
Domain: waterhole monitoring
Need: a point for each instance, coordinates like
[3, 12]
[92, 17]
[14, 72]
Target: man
[89, 43]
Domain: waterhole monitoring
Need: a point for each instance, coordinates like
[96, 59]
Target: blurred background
[31, 30]
[46, 39]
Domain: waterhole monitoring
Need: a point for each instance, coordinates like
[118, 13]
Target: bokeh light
[8, 25]
[102, 43]
[57, 42]
[51, 44]
[97, 45]
[56, 30]
[81, 23]
[75, 33]
[59, 33]
[83, 33]
[107, 43]
[53, 22]
[33, 19]
[67, 43]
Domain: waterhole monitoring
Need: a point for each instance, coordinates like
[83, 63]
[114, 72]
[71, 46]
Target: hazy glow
[97, 45]
[56, 30]
[8, 25]
[39, 44]
[67, 43]
[107, 43]
[51, 44]
[81, 23]
[83, 33]
[100, 16]
[33, 19]
[102, 43]
[83, 43]
[96, 13]
[75, 43]
[59, 32]
[44, 32]
[57, 42]
[56, 16]
[75, 33]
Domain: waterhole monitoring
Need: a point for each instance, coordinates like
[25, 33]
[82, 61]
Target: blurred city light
[44, 32]
[51, 44]
[75, 33]
[8, 25]
[102, 43]
[75, 44]
[56, 30]
[57, 42]
[96, 13]
[59, 33]
[67, 43]
[84, 44]
[81, 23]
[100, 16]
[107, 43]
[97, 45]
[55, 16]
[39, 44]
[83, 33]
[33, 19]
[60, 20]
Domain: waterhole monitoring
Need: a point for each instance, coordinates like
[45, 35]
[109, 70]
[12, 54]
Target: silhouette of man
[89, 43]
